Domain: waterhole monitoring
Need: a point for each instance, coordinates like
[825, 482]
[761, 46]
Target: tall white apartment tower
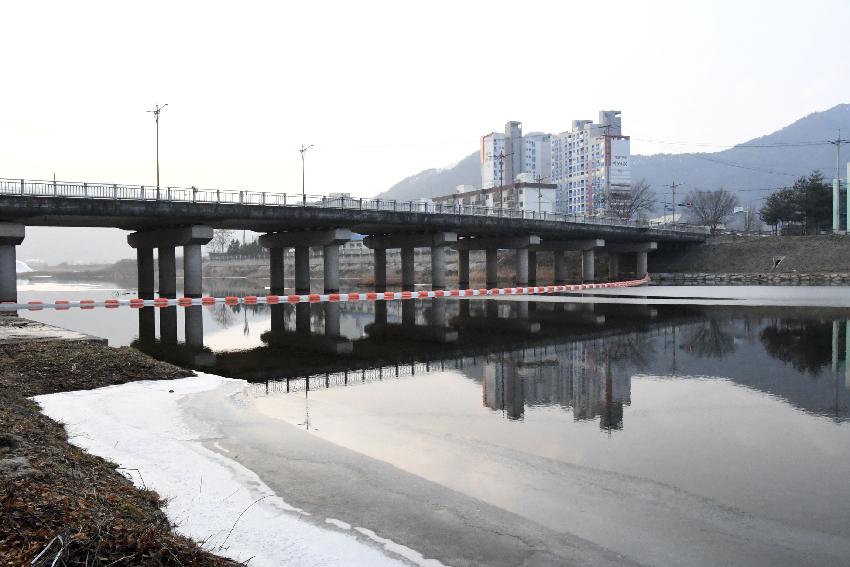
[590, 165]
[530, 155]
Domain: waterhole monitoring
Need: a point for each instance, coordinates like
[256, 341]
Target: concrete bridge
[165, 218]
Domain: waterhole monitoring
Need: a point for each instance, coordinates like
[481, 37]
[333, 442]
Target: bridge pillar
[588, 267]
[521, 267]
[613, 266]
[277, 285]
[10, 236]
[492, 260]
[463, 269]
[167, 272]
[641, 249]
[408, 277]
[330, 257]
[302, 241]
[560, 266]
[165, 240]
[380, 312]
[532, 267]
[192, 270]
[408, 313]
[145, 272]
[408, 242]
[438, 267]
[641, 270]
[302, 269]
[380, 260]
[302, 318]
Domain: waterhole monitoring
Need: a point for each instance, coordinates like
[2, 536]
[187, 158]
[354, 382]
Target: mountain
[752, 169]
[433, 182]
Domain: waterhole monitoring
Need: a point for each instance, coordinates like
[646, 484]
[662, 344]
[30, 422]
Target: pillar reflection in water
[332, 317]
[147, 325]
[380, 312]
[194, 326]
[302, 318]
[439, 317]
[408, 313]
[168, 325]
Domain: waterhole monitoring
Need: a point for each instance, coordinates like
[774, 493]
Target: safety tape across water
[317, 297]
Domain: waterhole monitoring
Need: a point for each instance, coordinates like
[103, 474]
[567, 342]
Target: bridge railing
[37, 188]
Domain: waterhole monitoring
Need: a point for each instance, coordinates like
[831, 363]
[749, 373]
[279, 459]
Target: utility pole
[673, 187]
[157, 109]
[837, 143]
[303, 150]
[501, 157]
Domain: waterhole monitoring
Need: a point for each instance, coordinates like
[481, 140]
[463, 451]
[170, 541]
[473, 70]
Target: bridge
[169, 217]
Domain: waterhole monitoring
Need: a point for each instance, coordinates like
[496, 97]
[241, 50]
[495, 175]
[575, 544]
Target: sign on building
[621, 174]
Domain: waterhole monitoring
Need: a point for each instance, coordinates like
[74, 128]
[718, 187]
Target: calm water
[743, 407]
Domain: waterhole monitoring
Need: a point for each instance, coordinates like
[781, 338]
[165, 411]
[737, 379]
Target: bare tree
[626, 205]
[220, 240]
[711, 208]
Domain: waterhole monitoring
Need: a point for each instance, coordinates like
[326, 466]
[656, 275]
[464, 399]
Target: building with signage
[589, 164]
[522, 195]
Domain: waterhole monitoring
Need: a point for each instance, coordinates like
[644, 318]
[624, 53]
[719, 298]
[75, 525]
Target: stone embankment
[757, 259]
[751, 279]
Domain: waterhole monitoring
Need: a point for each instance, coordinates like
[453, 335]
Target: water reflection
[579, 357]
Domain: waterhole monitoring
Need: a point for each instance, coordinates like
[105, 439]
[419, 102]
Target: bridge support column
[10, 236]
[302, 318]
[588, 265]
[302, 241]
[492, 271]
[613, 266]
[277, 285]
[380, 259]
[408, 276]
[408, 313]
[192, 270]
[463, 269]
[302, 269]
[147, 322]
[521, 267]
[641, 249]
[165, 240]
[145, 270]
[167, 272]
[438, 267]
[532, 267]
[560, 266]
[330, 256]
[641, 270]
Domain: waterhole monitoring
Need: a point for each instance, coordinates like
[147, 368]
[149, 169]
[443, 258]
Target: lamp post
[303, 150]
[157, 109]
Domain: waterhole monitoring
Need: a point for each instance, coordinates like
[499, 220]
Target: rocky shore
[58, 504]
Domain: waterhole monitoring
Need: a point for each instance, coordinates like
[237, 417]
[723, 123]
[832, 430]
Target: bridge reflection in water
[580, 357]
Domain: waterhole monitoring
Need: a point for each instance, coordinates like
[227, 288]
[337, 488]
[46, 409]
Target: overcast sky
[384, 90]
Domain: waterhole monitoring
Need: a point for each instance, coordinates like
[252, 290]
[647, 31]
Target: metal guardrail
[74, 190]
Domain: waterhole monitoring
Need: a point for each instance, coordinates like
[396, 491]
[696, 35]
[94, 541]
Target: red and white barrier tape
[317, 297]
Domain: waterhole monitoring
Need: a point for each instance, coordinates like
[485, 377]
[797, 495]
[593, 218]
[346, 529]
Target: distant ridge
[751, 172]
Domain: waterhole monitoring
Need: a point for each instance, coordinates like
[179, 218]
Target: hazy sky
[386, 89]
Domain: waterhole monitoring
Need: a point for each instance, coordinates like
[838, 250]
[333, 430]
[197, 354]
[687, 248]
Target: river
[654, 426]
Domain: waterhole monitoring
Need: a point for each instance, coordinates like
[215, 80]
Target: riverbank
[58, 501]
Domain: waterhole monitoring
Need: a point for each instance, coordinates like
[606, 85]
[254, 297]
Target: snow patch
[212, 498]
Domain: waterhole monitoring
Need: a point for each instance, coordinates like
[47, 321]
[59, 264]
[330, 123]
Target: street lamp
[157, 109]
[303, 150]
